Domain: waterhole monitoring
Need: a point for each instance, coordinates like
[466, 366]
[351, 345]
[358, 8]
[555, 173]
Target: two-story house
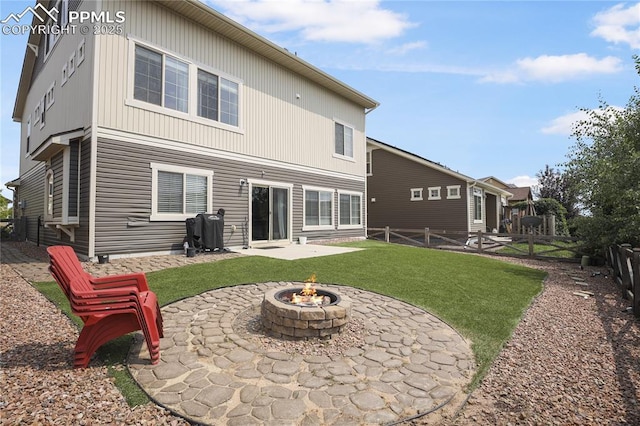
[407, 191]
[168, 109]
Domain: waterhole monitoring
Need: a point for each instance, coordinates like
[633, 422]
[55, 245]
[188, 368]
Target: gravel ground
[571, 361]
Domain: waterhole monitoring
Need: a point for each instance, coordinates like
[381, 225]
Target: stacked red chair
[110, 307]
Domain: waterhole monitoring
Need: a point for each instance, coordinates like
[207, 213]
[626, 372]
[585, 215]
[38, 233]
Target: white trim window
[59, 19]
[416, 194]
[434, 192]
[28, 147]
[453, 192]
[477, 205]
[343, 140]
[81, 50]
[349, 209]
[318, 208]
[72, 64]
[49, 195]
[43, 111]
[167, 84]
[50, 96]
[178, 193]
[369, 168]
[218, 98]
[65, 74]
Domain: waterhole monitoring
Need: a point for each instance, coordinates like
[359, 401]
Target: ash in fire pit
[304, 312]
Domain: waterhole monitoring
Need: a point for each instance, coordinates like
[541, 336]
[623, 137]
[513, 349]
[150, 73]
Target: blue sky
[484, 88]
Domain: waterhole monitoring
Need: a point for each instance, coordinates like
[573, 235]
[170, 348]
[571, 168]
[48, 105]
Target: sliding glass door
[269, 213]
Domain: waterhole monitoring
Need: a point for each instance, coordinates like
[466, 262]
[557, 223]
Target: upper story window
[453, 191]
[148, 76]
[344, 140]
[176, 84]
[59, 19]
[217, 98]
[368, 159]
[416, 194]
[28, 134]
[165, 82]
[318, 207]
[434, 193]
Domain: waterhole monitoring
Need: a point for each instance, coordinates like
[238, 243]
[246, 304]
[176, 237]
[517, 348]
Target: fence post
[530, 240]
[552, 225]
[479, 241]
[625, 270]
[427, 237]
[635, 264]
[386, 234]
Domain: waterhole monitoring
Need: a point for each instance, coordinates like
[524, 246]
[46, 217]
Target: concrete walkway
[216, 368]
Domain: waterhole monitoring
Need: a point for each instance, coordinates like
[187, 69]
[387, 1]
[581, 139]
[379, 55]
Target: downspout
[366, 188]
[91, 252]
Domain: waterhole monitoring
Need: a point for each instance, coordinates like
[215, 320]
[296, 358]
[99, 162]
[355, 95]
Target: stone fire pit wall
[303, 322]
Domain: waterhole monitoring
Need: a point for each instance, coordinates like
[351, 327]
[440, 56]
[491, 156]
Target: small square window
[453, 192]
[72, 64]
[434, 193]
[416, 194]
[80, 53]
[64, 76]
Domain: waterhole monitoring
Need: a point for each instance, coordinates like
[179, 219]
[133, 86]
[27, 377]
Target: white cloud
[523, 181]
[555, 69]
[619, 25]
[362, 21]
[565, 124]
[407, 47]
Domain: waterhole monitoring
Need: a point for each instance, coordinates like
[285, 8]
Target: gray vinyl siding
[72, 106]
[123, 197]
[31, 192]
[390, 184]
[57, 163]
[74, 161]
[81, 243]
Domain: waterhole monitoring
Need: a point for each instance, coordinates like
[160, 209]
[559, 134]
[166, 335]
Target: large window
[162, 83]
[350, 209]
[149, 77]
[217, 98]
[318, 208]
[179, 192]
[344, 140]
[176, 84]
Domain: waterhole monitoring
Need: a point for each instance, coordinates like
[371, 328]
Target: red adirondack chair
[109, 307]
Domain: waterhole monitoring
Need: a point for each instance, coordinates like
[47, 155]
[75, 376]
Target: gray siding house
[177, 110]
[407, 191]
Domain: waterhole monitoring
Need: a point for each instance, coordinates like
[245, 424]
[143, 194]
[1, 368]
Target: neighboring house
[520, 194]
[175, 111]
[407, 191]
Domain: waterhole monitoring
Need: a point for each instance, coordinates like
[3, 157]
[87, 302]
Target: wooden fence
[625, 262]
[504, 244]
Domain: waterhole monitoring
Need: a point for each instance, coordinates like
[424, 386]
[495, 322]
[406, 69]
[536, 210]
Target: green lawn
[482, 298]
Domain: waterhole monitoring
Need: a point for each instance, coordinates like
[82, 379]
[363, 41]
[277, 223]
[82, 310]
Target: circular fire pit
[306, 319]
